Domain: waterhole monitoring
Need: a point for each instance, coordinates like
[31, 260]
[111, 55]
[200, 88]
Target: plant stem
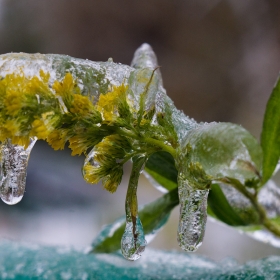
[148, 140]
[264, 220]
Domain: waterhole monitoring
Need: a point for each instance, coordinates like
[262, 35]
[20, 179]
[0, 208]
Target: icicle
[133, 240]
[193, 216]
[13, 169]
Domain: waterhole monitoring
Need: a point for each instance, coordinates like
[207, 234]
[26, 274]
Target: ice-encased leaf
[221, 207]
[153, 216]
[270, 136]
[219, 150]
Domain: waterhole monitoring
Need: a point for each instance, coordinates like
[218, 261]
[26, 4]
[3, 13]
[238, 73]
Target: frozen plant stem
[133, 240]
[268, 224]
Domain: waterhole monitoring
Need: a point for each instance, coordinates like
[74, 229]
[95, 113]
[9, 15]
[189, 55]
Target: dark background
[219, 61]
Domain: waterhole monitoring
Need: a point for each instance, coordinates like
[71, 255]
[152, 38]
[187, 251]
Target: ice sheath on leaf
[13, 170]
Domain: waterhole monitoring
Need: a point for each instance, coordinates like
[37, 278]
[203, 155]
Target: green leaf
[153, 216]
[221, 208]
[161, 166]
[270, 137]
[215, 151]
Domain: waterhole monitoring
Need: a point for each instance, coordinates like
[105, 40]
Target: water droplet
[133, 241]
[193, 216]
[13, 170]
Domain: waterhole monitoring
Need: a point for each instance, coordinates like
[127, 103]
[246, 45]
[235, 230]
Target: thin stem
[264, 220]
[131, 204]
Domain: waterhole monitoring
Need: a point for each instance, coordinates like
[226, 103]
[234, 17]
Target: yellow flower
[108, 103]
[78, 145]
[12, 126]
[44, 76]
[13, 102]
[66, 86]
[67, 89]
[42, 127]
[113, 179]
[81, 105]
[57, 139]
[39, 129]
[91, 174]
[38, 87]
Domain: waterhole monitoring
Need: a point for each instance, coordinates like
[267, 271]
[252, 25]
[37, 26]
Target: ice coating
[13, 171]
[268, 197]
[145, 57]
[98, 77]
[193, 217]
[93, 77]
[133, 241]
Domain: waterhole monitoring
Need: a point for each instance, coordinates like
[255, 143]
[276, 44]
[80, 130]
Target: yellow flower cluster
[109, 157]
[21, 115]
[31, 107]
[108, 103]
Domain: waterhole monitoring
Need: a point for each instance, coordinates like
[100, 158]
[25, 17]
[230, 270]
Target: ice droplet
[13, 170]
[193, 216]
[133, 241]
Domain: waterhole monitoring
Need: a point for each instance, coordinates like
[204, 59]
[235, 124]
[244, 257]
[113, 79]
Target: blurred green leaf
[221, 208]
[161, 166]
[270, 137]
[153, 216]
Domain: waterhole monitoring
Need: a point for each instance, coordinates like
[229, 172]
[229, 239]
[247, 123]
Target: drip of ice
[193, 216]
[133, 241]
[13, 170]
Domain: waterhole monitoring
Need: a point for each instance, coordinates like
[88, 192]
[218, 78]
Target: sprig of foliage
[124, 122]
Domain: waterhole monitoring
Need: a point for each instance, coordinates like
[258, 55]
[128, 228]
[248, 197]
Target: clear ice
[133, 241]
[193, 217]
[13, 170]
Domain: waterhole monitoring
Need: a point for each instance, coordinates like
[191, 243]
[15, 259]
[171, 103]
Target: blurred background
[219, 60]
